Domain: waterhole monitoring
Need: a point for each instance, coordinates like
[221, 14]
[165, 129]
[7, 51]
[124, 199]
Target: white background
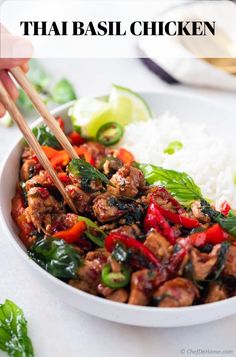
[57, 330]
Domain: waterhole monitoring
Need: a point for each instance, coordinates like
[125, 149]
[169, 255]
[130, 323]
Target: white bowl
[221, 122]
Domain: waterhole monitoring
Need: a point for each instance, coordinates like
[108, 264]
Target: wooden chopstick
[26, 131]
[49, 120]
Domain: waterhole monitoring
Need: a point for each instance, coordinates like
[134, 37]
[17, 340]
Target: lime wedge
[89, 114]
[128, 106]
[123, 106]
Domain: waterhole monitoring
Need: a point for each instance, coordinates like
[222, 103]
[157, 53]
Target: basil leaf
[179, 184]
[13, 331]
[221, 259]
[228, 223]
[86, 172]
[38, 76]
[63, 92]
[93, 232]
[45, 137]
[56, 256]
[23, 101]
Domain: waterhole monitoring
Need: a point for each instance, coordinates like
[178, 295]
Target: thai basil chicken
[142, 235]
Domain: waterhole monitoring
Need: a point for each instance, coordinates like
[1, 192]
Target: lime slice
[128, 106]
[89, 114]
[123, 106]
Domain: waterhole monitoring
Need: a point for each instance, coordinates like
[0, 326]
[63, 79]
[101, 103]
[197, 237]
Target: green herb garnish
[93, 232]
[45, 137]
[228, 223]
[56, 256]
[63, 92]
[179, 184]
[221, 259]
[173, 147]
[86, 172]
[13, 331]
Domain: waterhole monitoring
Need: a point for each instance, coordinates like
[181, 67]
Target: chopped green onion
[173, 147]
[109, 133]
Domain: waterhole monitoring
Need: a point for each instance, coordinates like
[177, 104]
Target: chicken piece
[131, 231]
[111, 166]
[40, 202]
[128, 181]
[176, 293]
[230, 262]
[104, 208]
[143, 282]
[157, 244]
[40, 180]
[97, 151]
[81, 199]
[119, 295]
[103, 290]
[28, 170]
[90, 273]
[27, 154]
[197, 212]
[59, 222]
[203, 263]
[216, 292]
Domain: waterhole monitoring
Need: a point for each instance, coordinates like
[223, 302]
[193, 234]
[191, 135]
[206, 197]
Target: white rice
[204, 157]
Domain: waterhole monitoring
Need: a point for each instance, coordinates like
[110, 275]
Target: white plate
[220, 122]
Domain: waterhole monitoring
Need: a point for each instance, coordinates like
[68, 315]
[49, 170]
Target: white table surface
[58, 330]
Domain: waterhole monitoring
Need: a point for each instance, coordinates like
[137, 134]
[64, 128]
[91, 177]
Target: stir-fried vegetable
[213, 235]
[155, 219]
[13, 331]
[73, 234]
[56, 256]
[93, 232]
[115, 280]
[45, 137]
[113, 238]
[109, 133]
[227, 223]
[86, 172]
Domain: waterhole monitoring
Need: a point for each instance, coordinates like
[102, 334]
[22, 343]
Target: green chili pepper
[115, 280]
[109, 133]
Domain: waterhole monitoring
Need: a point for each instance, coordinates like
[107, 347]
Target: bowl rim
[70, 289]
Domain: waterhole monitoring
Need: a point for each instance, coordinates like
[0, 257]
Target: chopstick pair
[49, 120]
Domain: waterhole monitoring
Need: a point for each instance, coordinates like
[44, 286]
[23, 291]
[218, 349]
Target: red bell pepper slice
[83, 151]
[64, 178]
[75, 138]
[165, 195]
[155, 219]
[179, 218]
[213, 235]
[125, 156]
[61, 123]
[58, 158]
[225, 208]
[113, 238]
[73, 234]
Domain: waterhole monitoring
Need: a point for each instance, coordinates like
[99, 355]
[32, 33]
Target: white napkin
[184, 66]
